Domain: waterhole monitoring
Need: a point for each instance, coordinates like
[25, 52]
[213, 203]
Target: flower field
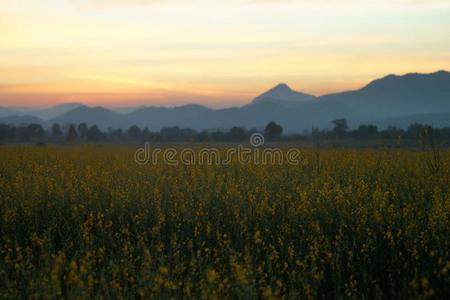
[88, 222]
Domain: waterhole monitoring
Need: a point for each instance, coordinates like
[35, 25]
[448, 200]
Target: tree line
[272, 132]
[415, 130]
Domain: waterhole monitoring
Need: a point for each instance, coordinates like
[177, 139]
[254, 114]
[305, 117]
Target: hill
[393, 96]
[282, 94]
[391, 100]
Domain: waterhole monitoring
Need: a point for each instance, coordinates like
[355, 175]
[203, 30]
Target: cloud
[343, 2]
[127, 2]
[124, 3]
[119, 3]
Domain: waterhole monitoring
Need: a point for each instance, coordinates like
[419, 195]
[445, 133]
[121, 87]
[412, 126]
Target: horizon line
[183, 103]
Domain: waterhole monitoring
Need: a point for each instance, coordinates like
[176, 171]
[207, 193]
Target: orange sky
[220, 53]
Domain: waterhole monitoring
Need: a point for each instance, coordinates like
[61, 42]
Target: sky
[218, 52]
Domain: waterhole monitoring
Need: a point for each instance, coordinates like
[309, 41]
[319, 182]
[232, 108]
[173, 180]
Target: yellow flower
[257, 237]
[212, 276]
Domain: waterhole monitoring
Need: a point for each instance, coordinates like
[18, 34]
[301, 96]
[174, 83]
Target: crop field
[89, 222]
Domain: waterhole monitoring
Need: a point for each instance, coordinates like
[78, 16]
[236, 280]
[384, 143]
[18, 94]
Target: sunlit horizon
[167, 52]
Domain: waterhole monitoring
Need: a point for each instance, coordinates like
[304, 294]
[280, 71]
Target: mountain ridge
[284, 95]
[388, 98]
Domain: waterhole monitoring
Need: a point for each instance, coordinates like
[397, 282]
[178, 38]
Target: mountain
[257, 115]
[437, 120]
[41, 113]
[394, 96]
[282, 94]
[200, 117]
[152, 117]
[126, 109]
[100, 116]
[6, 111]
[155, 117]
[54, 111]
[21, 120]
[392, 100]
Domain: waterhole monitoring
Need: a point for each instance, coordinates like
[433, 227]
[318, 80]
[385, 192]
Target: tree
[340, 127]
[134, 132]
[237, 134]
[33, 131]
[146, 134]
[415, 130]
[392, 132]
[94, 134]
[71, 134]
[7, 132]
[217, 136]
[273, 131]
[56, 131]
[367, 131]
[170, 133]
[202, 136]
[116, 134]
[83, 130]
[188, 134]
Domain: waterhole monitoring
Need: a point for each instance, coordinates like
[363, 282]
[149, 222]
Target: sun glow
[221, 53]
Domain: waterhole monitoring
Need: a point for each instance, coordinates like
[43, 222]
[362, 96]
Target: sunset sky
[217, 52]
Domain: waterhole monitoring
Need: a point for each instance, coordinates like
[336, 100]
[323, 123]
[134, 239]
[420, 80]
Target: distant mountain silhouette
[392, 100]
[394, 96]
[437, 120]
[100, 116]
[157, 117]
[42, 113]
[53, 112]
[6, 111]
[282, 94]
[257, 115]
[21, 120]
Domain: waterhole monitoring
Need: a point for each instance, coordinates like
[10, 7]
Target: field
[89, 222]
